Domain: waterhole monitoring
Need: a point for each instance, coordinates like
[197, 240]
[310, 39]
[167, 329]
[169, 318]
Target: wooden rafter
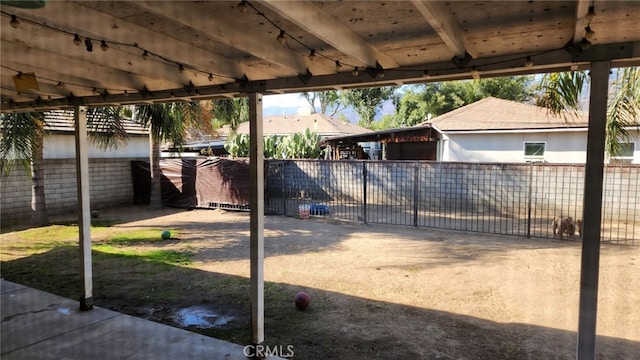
[444, 24]
[314, 21]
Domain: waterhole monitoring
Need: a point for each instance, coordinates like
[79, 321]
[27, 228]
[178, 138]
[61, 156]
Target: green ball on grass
[166, 234]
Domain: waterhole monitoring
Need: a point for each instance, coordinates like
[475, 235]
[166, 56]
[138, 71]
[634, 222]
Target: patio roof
[129, 52]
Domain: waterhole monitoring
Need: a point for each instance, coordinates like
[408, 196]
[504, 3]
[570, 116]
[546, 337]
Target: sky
[284, 100]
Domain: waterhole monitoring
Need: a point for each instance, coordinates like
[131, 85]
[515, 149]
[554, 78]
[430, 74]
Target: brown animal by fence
[564, 225]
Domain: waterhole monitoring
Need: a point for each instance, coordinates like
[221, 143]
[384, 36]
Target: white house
[110, 172]
[497, 130]
[59, 141]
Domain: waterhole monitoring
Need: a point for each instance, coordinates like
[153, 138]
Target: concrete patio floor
[40, 325]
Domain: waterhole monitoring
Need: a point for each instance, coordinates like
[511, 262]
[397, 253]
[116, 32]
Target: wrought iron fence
[510, 199]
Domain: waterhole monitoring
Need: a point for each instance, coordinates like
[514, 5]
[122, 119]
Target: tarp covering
[189, 183]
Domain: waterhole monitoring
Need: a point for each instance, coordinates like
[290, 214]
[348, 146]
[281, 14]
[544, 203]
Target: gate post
[416, 187]
[364, 191]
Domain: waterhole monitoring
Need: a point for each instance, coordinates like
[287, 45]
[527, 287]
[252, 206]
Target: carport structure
[77, 54]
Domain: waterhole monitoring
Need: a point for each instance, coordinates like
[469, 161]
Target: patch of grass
[170, 257]
[137, 236]
[36, 240]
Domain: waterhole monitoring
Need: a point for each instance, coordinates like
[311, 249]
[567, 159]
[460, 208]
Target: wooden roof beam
[310, 18]
[582, 8]
[442, 21]
[129, 33]
[227, 33]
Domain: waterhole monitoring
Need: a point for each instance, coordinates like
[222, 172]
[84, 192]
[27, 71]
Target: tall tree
[329, 100]
[23, 141]
[166, 122]
[623, 110]
[367, 101]
[439, 98]
[230, 111]
[562, 92]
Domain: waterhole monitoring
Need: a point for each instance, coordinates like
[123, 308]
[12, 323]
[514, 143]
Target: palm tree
[623, 110]
[561, 94]
[166, 122]
[23, 142]
[231, 111]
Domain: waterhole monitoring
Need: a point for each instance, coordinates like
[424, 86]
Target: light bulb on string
[426, 74]
[312, 55]
[591, 15]
[14, 22]
[528, 62]
[282, 40]
[589, 34]
[242, 7]
[76, 40]
[145, 55]
[60, 85]
[355, 71]
[338, 66]
[210, 77]
[475, 73]
[104, 46]
[88, 44]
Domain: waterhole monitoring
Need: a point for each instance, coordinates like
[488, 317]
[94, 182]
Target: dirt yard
[378, 292]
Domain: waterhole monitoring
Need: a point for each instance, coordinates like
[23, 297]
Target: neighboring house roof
[499, 114]
[321, 124]
[63, 121]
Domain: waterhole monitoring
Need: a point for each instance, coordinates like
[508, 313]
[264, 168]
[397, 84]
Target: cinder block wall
[110, 185]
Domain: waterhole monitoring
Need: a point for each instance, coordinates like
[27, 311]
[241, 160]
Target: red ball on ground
[302, 300]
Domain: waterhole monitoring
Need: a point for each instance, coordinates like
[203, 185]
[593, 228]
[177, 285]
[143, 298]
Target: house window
[534, 149]
[625, 153]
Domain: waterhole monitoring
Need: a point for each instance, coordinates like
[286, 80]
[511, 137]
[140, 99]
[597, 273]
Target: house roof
[321, 124]
[62, 121]
[498, 114]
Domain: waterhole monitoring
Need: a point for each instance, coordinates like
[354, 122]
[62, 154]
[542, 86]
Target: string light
[591, 15]
[88, 44]
[585, 44]
[282, 40]
[60, 85]
[77, 40]
[528, 62]
[242, 7]
[475, 73]
[104, 46]
[589, 34]
[14, 22]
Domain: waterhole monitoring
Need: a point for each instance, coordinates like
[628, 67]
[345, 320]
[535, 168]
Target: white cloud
[284, 100]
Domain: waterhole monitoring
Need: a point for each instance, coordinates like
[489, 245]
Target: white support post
[592, 212]
[256, 175]
[84, 211]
